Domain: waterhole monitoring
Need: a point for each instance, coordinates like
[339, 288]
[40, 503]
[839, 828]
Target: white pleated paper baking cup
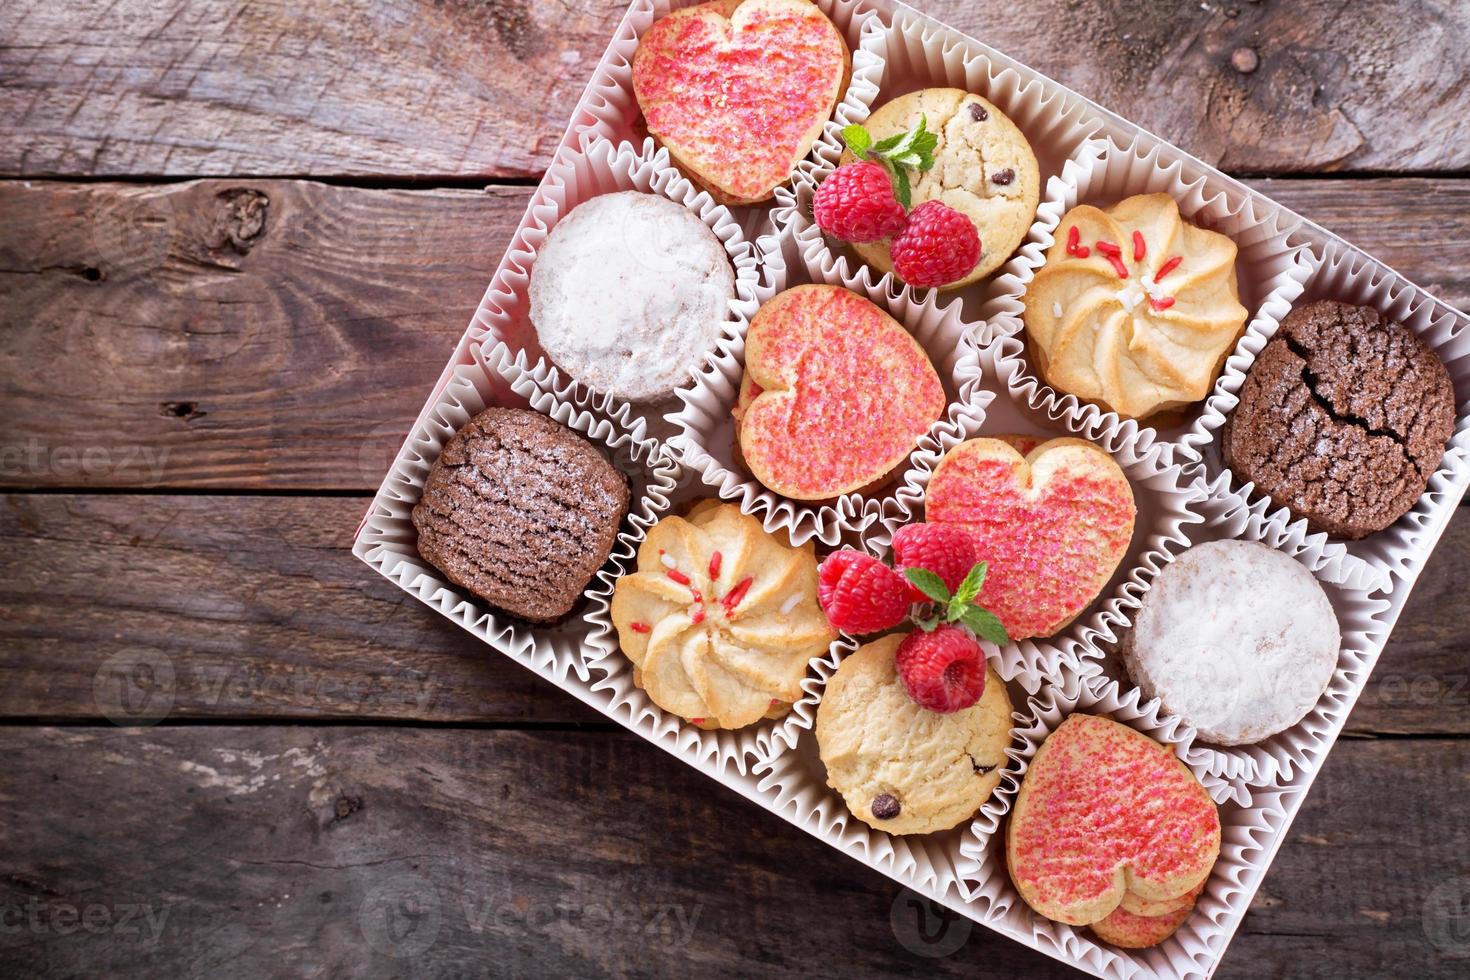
[627, 703]
[706, 438]
[794, 770]
[1166, 497]
[1270, 268]
[1248, 835]
[388, 540]
[1281, 758]
[577, 175]
[610, 110]
[1340, 273]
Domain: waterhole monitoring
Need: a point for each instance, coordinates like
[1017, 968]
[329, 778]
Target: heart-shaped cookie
[836, 394]
[738, 92]
[1103, 811]
[1053, 525]
[1131, 930]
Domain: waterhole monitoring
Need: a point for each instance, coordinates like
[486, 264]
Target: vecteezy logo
[1447, 916]
[134, 687]
[400, 917]
[926, 928]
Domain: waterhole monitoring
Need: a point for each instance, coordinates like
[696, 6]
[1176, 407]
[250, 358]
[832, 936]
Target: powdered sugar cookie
[1235, 638]
[1105, 810]
[629, 294]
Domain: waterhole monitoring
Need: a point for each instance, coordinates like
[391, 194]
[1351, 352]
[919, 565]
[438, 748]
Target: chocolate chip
[885, 807]
[978, 113]
[1003, 177]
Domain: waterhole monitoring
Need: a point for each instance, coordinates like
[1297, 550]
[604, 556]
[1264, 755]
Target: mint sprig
[961, 607]
[897, 154]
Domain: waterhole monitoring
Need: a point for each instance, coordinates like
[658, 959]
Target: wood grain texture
[271, 87]
[484, 87]
[386, 852]
[237, 334]
[142, 607]
[284, 334]
[213, 607]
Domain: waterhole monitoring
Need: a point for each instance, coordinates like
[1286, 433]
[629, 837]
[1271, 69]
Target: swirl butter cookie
[902, 767]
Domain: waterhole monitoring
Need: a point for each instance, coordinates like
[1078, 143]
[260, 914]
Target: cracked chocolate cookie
[1342, 419]
[900, 767]
[521, 511]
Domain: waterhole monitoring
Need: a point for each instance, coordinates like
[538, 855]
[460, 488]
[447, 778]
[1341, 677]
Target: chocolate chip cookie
[521, 511]
[1342, 419]
[901, 767]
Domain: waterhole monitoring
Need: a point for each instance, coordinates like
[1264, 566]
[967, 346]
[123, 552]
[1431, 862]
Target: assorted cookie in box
[815, 595]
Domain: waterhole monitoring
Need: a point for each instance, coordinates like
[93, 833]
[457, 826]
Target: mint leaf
[984, 624]
[928, 624]
[929, 584]
[901, 188]
[858, 139]
[970, 587]
[888, 144]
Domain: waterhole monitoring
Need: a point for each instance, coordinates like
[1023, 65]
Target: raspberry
[860, 594]
[943, 671]
[937, 246]
[856, 204]
[943, 549]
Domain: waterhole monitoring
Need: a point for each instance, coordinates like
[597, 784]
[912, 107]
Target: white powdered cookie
[629, 294]
[1235, 638]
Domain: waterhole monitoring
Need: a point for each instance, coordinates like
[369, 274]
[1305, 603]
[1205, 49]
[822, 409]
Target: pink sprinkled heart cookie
[1052, 523]
[738, 92]
[836, 394]
[1103, 811]
[1131, 930]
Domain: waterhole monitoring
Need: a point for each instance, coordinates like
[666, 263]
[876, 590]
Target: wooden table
[238, 240]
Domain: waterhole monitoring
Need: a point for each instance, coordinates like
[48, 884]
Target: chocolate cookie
[521, 511]
[1343, 418]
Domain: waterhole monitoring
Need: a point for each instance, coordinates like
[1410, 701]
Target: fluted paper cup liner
[1339, 272]
[1279, 759]
[610, 110]
[794, 770]
[577, 175]
[1270, 268]
[612, 673]
[919, 53]
[388, 540]
[1249, 835]
[992, 374]
[706, 438]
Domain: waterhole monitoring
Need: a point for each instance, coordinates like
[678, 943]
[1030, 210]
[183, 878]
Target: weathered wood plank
[347, 846]
[231, 607]
[252, 607]
[294, 354]
[475, 88]
[239, 334]
[271, 87]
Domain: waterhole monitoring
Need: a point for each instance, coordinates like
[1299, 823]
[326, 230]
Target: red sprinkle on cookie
[836, 394]
[1053, 524]
[1103, 811]
[1133, 931]
[738, 92]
